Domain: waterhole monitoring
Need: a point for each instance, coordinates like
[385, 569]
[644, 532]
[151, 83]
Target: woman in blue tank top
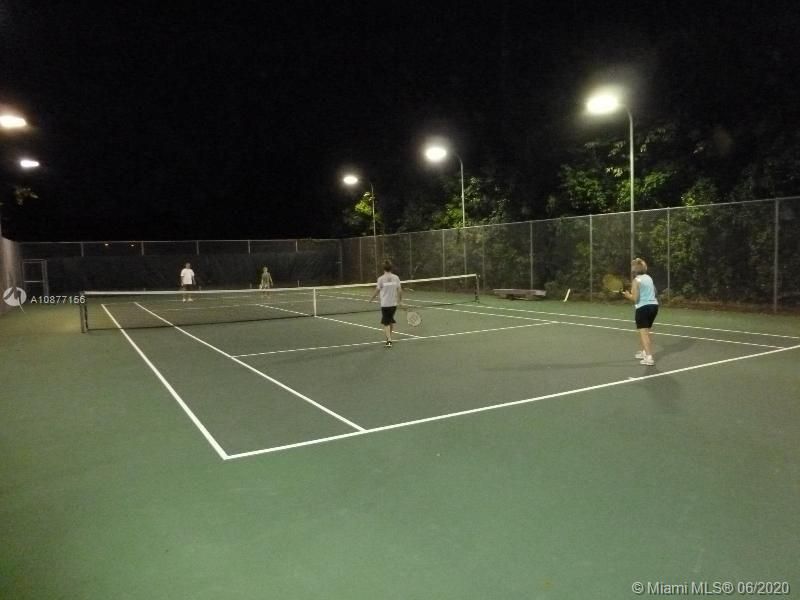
[643, 295]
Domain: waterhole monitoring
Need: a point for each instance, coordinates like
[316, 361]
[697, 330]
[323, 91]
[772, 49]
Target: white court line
[661, 333]
[660, 324]
[295, 312]
[214, 444]
[372, 343]
[365, 326]
[504, 404]
[625, 329]
[257, 372]
[421, 337]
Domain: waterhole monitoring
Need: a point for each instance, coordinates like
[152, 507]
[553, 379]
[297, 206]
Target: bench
[514, 294]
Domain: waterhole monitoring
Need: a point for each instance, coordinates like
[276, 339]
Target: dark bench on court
[519, 294]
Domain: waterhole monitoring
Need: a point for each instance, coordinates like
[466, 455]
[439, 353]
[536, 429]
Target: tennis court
[499, 450]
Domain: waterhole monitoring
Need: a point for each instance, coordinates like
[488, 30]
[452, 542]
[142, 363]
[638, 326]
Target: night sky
[224, 120]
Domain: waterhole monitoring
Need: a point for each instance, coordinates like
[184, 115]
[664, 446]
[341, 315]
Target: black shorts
[645, 315]
[387, 315]
[187, 287]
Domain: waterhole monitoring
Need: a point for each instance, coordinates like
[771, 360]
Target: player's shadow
[667, 345]
[664, 391]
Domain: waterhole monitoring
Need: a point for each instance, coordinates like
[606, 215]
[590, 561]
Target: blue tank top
[647, 291]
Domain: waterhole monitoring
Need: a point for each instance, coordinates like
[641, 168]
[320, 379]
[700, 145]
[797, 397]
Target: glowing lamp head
[602, 104]
[435, 153]
[27, 163]
[350, 180]
[12, 122]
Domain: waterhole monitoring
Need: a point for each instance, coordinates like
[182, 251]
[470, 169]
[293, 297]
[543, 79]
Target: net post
[314, 300]
[83, 315]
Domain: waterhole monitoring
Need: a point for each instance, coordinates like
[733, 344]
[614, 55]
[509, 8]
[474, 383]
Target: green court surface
[501, 450]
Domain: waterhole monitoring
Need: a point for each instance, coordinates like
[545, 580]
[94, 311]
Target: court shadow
[671, 345]
[664, 392]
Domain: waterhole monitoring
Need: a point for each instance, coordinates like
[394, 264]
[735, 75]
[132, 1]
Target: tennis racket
[612, 284]
[413, 318]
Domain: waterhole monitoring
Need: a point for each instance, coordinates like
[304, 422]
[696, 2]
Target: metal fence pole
[360, 263]
[141, 246]
[775, 259]
[669, 258]
[341, 261]
[530, 254]
[444, 267]
[248, 247]
[197, 247]
[483, 256]
[591, 260]
[410, 258]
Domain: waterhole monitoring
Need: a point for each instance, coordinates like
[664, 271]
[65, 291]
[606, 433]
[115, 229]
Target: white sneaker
[647, 360]
[640, 355]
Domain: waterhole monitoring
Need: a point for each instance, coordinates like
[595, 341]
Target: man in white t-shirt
[391, 293]
[187, 281]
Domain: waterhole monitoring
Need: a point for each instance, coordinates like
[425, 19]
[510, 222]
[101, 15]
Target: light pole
[436, 153]
[604, 103]
[12, 121]
[352, 180]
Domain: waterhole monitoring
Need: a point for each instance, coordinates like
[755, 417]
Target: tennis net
[132, 310]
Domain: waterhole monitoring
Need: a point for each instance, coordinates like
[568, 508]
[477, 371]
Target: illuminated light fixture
[350, 179]
[8, 121]
[28, 163]
[435, 153]
[603, 104]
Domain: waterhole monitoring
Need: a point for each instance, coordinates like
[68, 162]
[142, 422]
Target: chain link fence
[154, 265]
[745, 253]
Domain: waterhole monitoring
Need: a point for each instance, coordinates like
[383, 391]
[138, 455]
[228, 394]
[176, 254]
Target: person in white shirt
[391, 295]
[266, 280]
[187, 281]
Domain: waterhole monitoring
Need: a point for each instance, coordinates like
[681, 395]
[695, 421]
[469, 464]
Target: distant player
[187, 282]
[391, 294]
[266, 279]
[643, 295]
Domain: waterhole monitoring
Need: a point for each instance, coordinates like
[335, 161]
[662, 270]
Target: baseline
[505, 404]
